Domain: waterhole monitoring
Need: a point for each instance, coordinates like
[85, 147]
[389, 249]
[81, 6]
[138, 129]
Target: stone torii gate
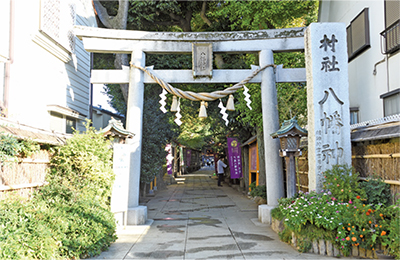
[263, 42]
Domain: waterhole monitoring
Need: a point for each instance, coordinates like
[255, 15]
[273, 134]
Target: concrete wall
[365, 87]
[39, 78]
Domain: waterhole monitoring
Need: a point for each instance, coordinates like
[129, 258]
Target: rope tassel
[230, 106]
[203, 110]
[174, 106]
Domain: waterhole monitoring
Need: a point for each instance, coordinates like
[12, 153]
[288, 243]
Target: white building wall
[39, 78]
[365, 87]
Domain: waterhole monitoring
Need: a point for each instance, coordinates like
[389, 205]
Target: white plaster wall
[365, 88]
[38, 78]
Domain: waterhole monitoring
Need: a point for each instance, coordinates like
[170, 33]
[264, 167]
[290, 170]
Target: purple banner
[235, 158]
[188, 157]
[170, 157]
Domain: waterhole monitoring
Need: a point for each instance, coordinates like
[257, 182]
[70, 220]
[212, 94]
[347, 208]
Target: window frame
[387, 95]
[354, 110]
[393, 28]
[49, 43]
[367, 43]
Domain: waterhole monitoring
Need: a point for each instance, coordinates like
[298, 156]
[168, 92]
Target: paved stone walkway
[196, 219]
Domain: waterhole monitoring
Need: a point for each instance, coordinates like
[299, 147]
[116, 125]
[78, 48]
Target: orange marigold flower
[361, 236]
[381, 215]
[363, 229]
[358, 197]
[347, 238]
[383, 233]
[369, 210]
[349, 224]
[376, 225]
[354, 239]
[370, 222]
[367, 213]
[348, 229]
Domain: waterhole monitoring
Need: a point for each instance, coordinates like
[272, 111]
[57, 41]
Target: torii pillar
[137, 215]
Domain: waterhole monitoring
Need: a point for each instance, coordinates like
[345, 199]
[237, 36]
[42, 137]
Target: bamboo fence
[373, 160]
[24, 176]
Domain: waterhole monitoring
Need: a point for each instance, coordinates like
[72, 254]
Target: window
[63, 119]
[57, 18]
[358, 35]
[391, 102]
[391, 34]
[70, 125]
[354, 118]
[57, 122]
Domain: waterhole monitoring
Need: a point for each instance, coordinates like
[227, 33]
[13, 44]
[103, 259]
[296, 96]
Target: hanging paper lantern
[230, 106]
[174, 105]
[203, 111]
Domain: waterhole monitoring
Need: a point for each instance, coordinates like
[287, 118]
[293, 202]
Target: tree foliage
[157, 132]
[238, 15]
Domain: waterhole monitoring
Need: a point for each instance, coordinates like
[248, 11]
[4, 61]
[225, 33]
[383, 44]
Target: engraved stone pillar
[273, 163]
[327, 99]
[134, 123]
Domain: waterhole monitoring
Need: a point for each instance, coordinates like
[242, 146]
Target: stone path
[196, 219]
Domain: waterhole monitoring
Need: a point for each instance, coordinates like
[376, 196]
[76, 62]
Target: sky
[101, 99]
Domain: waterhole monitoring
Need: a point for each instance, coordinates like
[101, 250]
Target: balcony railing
[391, 37]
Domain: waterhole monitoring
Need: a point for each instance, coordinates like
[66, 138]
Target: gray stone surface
[264, 214]
[273, 163]
[199, 220]
[134, 124]
[322, 247]
[137, 215]
[329, 248]
[327, 99]
[315, 247]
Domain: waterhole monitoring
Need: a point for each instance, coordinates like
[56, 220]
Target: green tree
[157, 132]
[198, 16]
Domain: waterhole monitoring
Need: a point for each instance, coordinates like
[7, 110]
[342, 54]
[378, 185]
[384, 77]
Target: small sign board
[120, 191]
[202, 56]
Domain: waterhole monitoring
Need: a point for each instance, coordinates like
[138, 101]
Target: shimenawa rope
[202, 96]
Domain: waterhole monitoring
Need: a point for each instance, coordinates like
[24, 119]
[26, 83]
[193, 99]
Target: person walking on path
[220, 169]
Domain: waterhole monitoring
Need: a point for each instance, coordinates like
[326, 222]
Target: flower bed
[341, 217]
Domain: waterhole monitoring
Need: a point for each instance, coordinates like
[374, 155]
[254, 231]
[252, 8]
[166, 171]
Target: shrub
[342, 215]
[260, 190]
[84, 165]
[342, 182]
[69, 218]
[377, 191]
[9, 148]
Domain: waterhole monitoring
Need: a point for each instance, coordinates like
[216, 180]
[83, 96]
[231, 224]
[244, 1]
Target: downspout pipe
[91, 91]
[7, 78]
